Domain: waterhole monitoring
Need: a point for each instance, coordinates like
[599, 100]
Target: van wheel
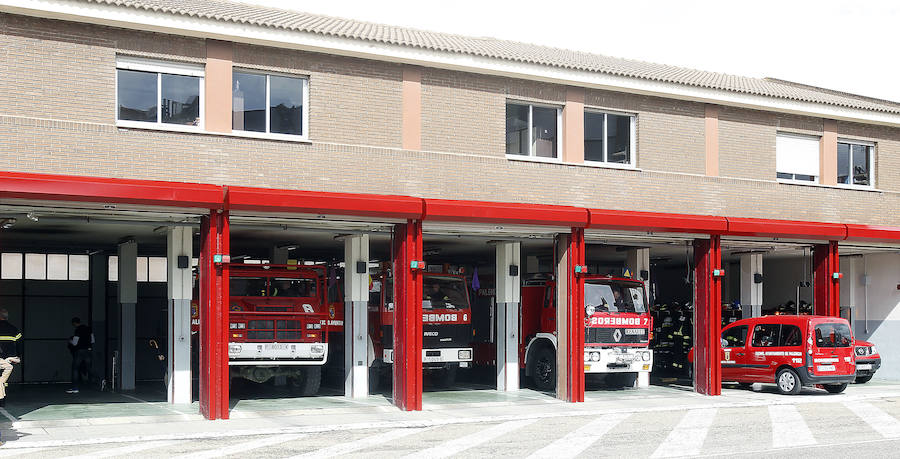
[308, 381]
[863, 379]
[835, 388]
[788, 382]
[544, 370]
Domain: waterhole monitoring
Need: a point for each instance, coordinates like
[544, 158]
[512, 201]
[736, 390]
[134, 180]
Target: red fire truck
[617, 329]
[446, 326]
[279, 321]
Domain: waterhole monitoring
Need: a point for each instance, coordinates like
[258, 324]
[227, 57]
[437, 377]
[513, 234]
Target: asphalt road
[834, 429]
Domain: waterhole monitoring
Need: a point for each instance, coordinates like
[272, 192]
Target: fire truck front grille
[279, 330]
[608, 336]
[273, 309]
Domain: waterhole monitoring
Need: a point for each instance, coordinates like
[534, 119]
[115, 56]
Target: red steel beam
[407, 371]
[708, 313]
[660, 222]
[575, 319]
[214, 371]
[873, 233]
[827, 287]
[504, 213]
[786, 228]
[324, 203]
[109, 190]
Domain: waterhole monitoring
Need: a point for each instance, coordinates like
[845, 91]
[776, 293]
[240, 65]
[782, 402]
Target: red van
[790, 351]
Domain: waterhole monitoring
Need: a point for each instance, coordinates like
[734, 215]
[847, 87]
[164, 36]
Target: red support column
[708, 275]
[827, 293]
[407, 252]
[214, 372]
[575, 319]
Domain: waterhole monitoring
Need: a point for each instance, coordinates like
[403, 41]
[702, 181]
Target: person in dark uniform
[10, 350]
[81, 344]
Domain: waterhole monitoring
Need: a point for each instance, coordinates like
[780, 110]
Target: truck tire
[308, 381]
[544, 369]
[788, 381]
[835, 388]
[619, 380]
[863, 379]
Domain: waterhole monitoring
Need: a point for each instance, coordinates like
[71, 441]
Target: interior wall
[876, 317]
[780, 279]
[671, 285]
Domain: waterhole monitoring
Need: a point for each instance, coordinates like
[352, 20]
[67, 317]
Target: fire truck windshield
[444, 292]
[247, 286]
[605, 297]
[278, 286]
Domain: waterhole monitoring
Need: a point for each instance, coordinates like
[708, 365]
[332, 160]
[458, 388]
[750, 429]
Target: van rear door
[832, 347]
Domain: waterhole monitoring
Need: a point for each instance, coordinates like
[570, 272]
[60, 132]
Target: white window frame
[632, 164]
[160, 68]
[559, 133]
[304, 133]
[817, 179]
[871, 185]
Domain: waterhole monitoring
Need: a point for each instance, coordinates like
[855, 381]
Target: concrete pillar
[180, 290]
[508, 298]
[99, 274]
[356, 316]
[638, 262]
[751, 291]
[127, 302]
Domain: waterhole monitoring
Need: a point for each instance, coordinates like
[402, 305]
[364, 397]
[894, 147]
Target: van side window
[790, 336]
[735, 336]
[765, 335]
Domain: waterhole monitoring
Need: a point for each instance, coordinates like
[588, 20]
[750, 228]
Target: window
[270, 104]
[608, 138]
[735, 336]
[533, 130]
[854, 163]
[149, 269]
[790, 336]
[797, 157]
[765, 335]
[40, 266]
[613, 298]
[158, 94]
[833, 335]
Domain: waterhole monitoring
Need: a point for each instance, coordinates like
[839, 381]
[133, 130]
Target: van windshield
[833, 334]
[614, 297]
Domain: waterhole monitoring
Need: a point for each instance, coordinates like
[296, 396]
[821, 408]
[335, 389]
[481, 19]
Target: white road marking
[788, 427]
[124, 450]
[575, 442]
[470, 441]
[243, 447]
[367, 442]
[687, 438]
[885, 424]
[7, 415]
[19, 452]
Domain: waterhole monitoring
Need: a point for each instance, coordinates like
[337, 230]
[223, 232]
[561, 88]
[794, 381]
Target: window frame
[160, 68]
[632, 141]
[559, 132]
[817, 178]
[871, 154]
[304, 116]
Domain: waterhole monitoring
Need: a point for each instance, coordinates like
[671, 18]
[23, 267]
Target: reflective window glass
[137, 95]
[861, 164]
[790, 336]
[735, 336]
[543, 132]
[618, 137]
[765, 335]
[843, 159]
[248, 102]
[286, 105]
[517, 129]
[181, 99]
[593, 136]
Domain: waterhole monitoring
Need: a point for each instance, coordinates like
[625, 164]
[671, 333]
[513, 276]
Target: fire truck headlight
[646, 356]
[587, 356]
[317, 349]
[316, 326]
[464, 354]
[595, 356]
[589, 310]
[234, 348]
[233, 326]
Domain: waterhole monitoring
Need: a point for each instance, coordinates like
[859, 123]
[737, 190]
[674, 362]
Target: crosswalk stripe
[243, 446]
[367, 442]
[575, 442]
[470, 441]
[125, 450]
[688, 436]
[788, 427]
[20, 451]
[885, 424]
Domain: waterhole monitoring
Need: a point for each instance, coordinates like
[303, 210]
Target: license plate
[429, 358]
[825, 368]
[864, 366]
[275, 347]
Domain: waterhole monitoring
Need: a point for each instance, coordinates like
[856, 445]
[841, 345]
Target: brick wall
[47, 126]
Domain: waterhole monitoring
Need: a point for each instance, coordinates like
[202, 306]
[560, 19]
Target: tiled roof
[240, 13]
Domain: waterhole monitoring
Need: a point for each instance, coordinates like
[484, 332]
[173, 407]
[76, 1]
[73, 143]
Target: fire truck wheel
[308, 380]
[788, 382]
[544, 373]
[835, 388]
[863, 379]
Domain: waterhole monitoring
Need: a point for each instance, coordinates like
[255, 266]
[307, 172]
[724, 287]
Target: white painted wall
[871, 287]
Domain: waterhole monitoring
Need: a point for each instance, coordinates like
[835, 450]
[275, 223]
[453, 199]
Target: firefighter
[81, 345]
[10, 347]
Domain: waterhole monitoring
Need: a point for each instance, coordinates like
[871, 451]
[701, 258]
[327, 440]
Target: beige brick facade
[57, 102]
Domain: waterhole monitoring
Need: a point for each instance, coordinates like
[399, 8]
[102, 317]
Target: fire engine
[446, 325]
[279, 321]
[617, 327]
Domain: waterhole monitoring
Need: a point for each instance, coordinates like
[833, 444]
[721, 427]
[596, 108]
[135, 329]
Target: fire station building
[149, 145]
